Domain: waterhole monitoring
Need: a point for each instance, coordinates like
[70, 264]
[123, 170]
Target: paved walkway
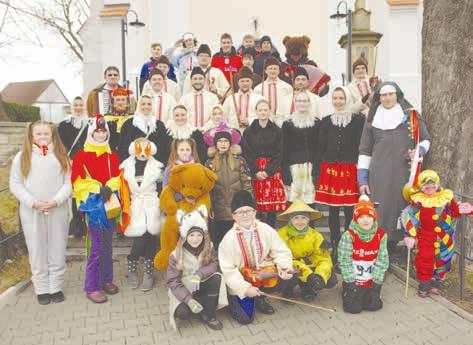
[135, 317]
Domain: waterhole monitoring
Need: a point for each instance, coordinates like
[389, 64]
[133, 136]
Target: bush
[22, 113]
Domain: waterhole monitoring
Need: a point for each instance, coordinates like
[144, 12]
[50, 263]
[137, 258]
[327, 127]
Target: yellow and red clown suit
[431, 220]
[93, 170]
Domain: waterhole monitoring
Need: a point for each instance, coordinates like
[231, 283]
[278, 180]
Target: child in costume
[40, 180]
[195, 285]
[310, 253]
[233, 176]
[363, 260]
[142, 173]
[431, 219]
[96, 183]
[251, 247]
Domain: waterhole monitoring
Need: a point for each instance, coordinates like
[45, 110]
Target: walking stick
[279, 298]
[408, 270]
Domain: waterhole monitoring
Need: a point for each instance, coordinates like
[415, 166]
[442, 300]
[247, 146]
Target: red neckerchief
[43, 148]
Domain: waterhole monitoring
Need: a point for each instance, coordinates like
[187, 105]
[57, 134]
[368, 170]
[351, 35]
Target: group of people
[199, 181]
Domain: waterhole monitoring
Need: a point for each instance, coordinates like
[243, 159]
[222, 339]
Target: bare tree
[447, 96]
[62, 17]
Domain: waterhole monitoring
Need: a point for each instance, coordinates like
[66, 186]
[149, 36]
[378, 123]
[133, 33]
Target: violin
[266, 276]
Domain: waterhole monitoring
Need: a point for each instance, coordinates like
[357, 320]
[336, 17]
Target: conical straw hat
[299, 206]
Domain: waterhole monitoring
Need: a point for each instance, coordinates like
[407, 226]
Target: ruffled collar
[439, 199]
[179, 132]
[77, 122]
[302, 120]
[147, 124]
[98, 148]
[341, 119]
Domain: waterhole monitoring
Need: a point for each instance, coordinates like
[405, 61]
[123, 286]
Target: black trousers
[144, 246]
[363, 298]
[207, 296]
[77, 225]
[334, 224]
[290, 284]
[218, 229]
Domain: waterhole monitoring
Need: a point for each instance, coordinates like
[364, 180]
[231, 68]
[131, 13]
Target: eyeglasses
[244, 213]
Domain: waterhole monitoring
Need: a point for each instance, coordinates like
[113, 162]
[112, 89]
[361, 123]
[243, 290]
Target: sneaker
[97, 297]
[57, 297]
[263, 306]
[110, 288]
[44, 298]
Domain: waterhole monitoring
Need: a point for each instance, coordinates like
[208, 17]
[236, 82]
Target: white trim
[425, 144]
[364, 162]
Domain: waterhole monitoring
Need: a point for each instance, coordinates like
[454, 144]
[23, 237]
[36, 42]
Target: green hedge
[21, 113]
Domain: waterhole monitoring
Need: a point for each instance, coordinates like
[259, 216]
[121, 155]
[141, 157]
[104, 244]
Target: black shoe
[212, 322]
[44, 299]
[57, 297]
[308, 296]
[263, 306]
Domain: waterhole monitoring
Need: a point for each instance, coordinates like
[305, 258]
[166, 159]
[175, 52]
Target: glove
[105, 193]
[409, 242]
[195, 281]
[195, 306]
[315, 281]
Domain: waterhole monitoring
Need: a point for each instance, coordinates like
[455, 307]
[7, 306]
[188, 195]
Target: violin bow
[279, 298]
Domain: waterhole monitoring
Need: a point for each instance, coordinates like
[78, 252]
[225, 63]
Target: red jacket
[229, 65]
[98, 167]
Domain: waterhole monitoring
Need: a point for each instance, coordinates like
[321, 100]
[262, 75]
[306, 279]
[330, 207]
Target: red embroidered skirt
[270, 194]
[337, 185]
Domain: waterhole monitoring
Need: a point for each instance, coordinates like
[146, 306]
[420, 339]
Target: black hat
[220, 135]
[301, 71]
[155, 71]
[244, 72]
[266, 38]
[242, 198]
[271, 61]
[204, 49]
[197, 70]
[163, 60]
[248, 51]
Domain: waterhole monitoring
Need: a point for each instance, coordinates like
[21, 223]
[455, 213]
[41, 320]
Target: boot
[372, 299]
[148, 275]
[307, 293]
[132, 275]
[263, 306]
[208, 315]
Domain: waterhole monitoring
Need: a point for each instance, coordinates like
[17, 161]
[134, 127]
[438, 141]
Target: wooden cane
[407, 270]
[279, 298]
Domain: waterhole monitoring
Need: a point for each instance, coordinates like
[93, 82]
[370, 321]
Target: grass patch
[8, 203]
[14, 272]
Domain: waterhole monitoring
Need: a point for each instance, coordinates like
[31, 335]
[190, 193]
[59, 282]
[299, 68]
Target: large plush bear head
[192, 180]
[297, 48]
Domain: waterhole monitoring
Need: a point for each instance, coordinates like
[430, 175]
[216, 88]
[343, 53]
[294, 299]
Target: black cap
[220, 135]
[204, 49]
[242, 198]
[249, 51]
[266, 38]
[301, 71]
[197, 70]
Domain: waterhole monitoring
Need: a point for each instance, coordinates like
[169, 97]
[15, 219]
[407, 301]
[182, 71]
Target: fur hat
[244, 72]
[361, 61]
[364, 207]
[197, 70]
[195, 220]
[241, 199]
[204, 49]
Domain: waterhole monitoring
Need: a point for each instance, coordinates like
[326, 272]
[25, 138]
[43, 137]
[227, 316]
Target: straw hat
[297, 207]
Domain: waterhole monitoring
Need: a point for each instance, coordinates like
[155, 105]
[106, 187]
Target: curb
[401, 275]
[9, 295]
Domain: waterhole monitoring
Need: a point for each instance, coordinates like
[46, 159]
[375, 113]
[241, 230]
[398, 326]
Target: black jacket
[259, 142]
[258, 66]
[340, 144]
[68, 133]
[299, 146]
[159, 137]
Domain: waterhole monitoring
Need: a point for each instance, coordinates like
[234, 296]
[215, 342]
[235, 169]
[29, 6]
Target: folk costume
[431, 220]
[310, 254]
[383, 161]
[241, 104]
[73, 133]
[213, 76]
[278, 93]
[192, 277]
[96, 182]
[144, 126]
[337, 152]
[262, 149]
[45, 232]
[170, 85]
[163, 104]
[299, 156]
[229, 63]
[363, 259]
[142, 171]
[116, 118]
[199, 103]
[253, 248]
[233, 175]
[315, 107]
[256, 78]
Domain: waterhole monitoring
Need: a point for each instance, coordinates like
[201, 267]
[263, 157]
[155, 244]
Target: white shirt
[214, 75]
[163, 105]
[199, 106]
[245, 106]
[279, 95]
[170, 86]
